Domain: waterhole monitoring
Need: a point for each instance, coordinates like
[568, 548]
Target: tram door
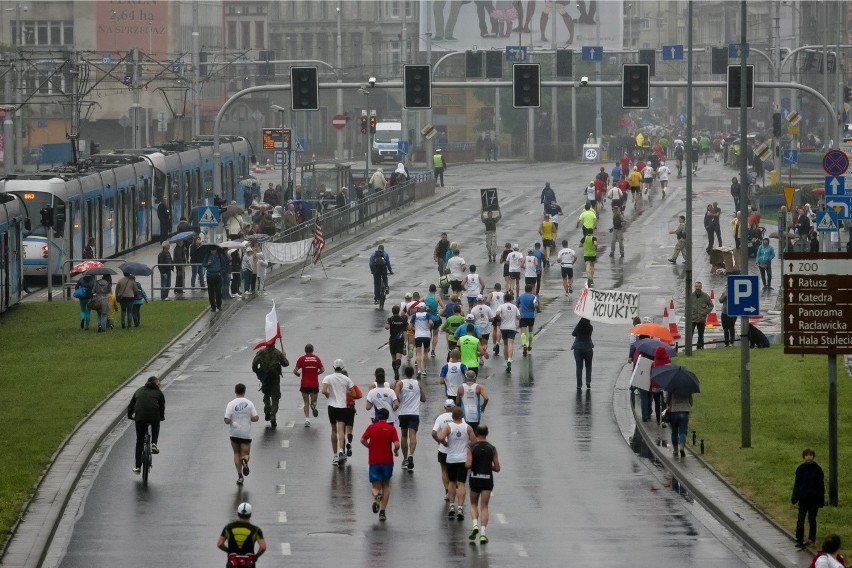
[5, 258]
[131, 215]
[98, 223]
[120, 221]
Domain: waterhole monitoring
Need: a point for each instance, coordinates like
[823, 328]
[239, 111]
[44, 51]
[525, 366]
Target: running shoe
[432, 353]
[410, 462]
[341, 456]
[307, 423]
[244, 461]
[137, 470]
[525, 350]
[377, 502]
[348, 450]
[483, 539]
[508, 366]
[460, 514]
[314, 410]
[274, 423]
[473, 532]
[382, 516]
[155, 449]
[496, 348]
[240, 480]
[335, 460]
[452, 512]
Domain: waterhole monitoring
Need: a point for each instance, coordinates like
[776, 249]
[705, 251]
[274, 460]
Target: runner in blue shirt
[527, 306]
[540, 256]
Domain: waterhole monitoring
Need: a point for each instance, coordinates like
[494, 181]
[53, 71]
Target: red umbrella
[818, 190]
[86, 265]
[260, 206]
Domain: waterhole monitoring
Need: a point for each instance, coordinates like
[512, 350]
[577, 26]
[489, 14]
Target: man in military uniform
[267, 365]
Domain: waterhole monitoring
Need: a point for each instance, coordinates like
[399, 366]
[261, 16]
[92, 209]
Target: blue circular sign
[835, 162]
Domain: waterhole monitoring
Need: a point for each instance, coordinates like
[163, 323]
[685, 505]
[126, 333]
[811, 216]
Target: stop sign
[338, 121]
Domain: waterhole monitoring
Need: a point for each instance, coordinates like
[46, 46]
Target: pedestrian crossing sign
[208, 217]
[826, 221]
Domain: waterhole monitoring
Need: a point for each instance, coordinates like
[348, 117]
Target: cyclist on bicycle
[147, 407]
[380, 267]
[238, 538]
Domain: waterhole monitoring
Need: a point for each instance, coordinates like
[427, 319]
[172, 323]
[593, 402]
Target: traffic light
[847, 94]
[372, 124]
[417, 86]
[304, 88]
[648, 57]
[203, 68]
[526, 85]
[364, 125]
[494, 64]
[635, 86]
[735, 85]
[719, 61]
[473, 64]
[46, 216]
[564, 62]
[776, 125]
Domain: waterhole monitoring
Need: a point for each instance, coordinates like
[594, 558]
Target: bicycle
[383, 290]
[147, 456]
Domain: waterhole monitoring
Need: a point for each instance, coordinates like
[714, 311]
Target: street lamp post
[339, 72]
[19, 115]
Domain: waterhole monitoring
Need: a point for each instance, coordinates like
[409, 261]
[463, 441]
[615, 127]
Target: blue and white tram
[13, 223]
[113, 198]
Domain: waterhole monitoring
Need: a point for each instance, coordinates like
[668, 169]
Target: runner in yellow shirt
[548, 238]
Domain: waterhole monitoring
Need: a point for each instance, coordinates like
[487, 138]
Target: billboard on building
[122, 26]
[459, 26]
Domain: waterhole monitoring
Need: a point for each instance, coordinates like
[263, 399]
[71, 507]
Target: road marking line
[282, 465]
[282, 516]
[521, 550]
[285, 548]
[285, 443]
[182, 377]
[502, 518]
[279, 489]
[201, 368]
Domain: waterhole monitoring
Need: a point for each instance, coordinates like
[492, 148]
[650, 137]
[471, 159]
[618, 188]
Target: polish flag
[273, 329]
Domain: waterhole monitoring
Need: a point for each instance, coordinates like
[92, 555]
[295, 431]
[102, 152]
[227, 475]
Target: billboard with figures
[459, 26]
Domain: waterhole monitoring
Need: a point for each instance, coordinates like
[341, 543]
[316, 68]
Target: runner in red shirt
[309, 367]
[382, 442]
[625, 165]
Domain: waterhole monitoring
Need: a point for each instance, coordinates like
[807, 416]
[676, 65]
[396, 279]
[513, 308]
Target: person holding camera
[617, 231]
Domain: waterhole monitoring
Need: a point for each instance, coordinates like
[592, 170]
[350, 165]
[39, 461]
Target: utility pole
[688, 143]
[403, 49]
[745, 373]
[340, 79]
[428, 153]
[18, 147]
[598, 119]
[8, 123]
[134, 110]
[554, 122]
[776, 55]
[196, 72]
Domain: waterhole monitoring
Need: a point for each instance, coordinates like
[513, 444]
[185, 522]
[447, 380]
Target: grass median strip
[789, 412]
[53, 374]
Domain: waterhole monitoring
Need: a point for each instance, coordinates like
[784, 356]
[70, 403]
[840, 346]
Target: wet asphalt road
[571, 491]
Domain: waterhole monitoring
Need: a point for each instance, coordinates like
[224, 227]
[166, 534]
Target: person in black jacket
[809, 494]
[147, 407]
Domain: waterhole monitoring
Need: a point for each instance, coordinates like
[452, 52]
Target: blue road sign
[403, 147]
[592, 53]
[790, 157]
[672, 53]
[826, 221]
[516, 53]
[743, 295]
[106, 60]
[300, 145]
[734, 51]
[835, 162]
[841, 204]
[208, 217]
[835, 185]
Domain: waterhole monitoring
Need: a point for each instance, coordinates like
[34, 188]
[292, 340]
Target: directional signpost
[734, 51]
[516, 53]
[743, 295]
[818, 321]
[592, 53]
[672, 53]
[835, 185]
[826, 221]
[841, 204]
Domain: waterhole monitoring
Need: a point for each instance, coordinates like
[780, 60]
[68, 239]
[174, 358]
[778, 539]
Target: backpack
[617, 222]
[379, 260]
[679, 152]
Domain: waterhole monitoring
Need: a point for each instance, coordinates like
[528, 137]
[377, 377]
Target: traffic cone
[712, 319]
[671, 325]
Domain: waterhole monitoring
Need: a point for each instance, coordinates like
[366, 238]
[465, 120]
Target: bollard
[693, 437]
[702, 447]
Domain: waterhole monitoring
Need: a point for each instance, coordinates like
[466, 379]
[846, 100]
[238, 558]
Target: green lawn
[789, 411]
[53, 374]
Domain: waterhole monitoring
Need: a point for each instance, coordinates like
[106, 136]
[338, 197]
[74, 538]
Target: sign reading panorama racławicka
[817, 303]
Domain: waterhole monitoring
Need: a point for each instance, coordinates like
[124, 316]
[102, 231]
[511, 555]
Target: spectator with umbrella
[679, 384]
[84, 291]
[125, 291]
[180, 258]
[166, 265]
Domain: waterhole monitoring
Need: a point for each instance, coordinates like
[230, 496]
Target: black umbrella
[648, 346]
[198, 254]
[676, 379]
[100, 271]
[232, 210]
[258, 238]
[136, 269]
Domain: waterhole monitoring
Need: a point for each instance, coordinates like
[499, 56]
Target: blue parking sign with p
[743, 295]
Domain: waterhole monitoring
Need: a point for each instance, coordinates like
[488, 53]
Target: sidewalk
[770, 541]
[46, 522]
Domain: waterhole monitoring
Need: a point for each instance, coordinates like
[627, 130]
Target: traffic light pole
[217, 124]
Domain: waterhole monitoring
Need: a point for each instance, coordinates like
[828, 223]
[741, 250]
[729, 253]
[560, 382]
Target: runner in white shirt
[452, 374]
[410, 396]
[421, 323]
[567, 257]
[239, 414]
[530, 269]
[483, 315]
[615, 195]
[494, 301]
[515, 260]
[648, 177]
[663, 172]
[440, 422]
[509, 315]
[335, 387]
[456, 436]
[456, 268]
[473, 284]
[382, 396]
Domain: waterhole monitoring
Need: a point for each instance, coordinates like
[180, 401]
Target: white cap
[449, 403]
[408, 295]
[244, 509]
[338, 363]
[480, 298]
[469, 317]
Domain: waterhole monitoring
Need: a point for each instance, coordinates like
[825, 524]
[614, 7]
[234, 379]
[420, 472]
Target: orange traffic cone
[712, 319]
[671, 325]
